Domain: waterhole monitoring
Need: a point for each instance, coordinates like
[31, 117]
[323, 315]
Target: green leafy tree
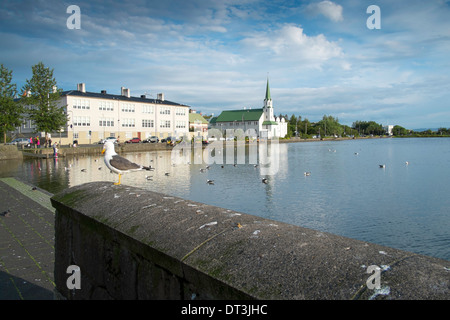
[42, 99]
[399, 131]
[10, 111]
[330, 126]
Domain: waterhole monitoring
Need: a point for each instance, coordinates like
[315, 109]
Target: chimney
[160, 96]
[81, 87]
[125, 92]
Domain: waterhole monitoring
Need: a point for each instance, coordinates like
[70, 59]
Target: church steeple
[268, 98]
[268, 91]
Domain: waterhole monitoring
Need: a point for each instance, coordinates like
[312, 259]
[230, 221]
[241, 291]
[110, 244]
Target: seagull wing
[123, 164]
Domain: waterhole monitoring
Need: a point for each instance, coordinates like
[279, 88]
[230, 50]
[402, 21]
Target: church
[261, 120]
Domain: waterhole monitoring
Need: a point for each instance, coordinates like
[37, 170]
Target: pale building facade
[95, 116]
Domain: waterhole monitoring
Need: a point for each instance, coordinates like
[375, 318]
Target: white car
[20, 142]
[113, 139]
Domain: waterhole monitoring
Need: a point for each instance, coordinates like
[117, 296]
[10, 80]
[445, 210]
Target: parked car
[113, 139]
[152, 139]
[172, 140]
[20, 142]
[133, 140]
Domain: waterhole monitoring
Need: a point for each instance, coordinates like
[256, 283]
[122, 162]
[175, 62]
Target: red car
[134, 140]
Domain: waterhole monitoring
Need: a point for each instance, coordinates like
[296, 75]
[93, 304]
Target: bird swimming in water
[209, 181]
[307, 173]
[264, 180]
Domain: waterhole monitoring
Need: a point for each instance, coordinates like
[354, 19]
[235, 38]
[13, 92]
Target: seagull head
[108, 147]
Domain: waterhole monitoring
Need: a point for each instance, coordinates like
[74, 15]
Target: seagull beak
[103, 151]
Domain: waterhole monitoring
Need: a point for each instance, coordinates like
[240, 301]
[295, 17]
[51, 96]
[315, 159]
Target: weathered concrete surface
[9, 152]
[135, 244]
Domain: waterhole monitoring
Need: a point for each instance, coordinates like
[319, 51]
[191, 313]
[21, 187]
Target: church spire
[268, 91]
[268, 99]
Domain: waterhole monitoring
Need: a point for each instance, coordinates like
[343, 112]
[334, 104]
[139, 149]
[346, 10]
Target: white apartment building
[94, 116]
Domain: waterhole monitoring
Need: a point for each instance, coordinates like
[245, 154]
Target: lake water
[405, 206]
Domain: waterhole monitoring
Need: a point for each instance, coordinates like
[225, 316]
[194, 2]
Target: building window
[164, 124]
[106, 106]
[75, 135]
[81, 104]
[106, 122]
[127, 107]
[180, 124]
[129, 123]
[81, 121]
[164, 110]
[180, 111]
[147, 123]
[148, 109]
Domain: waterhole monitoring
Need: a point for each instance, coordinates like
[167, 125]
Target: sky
[321, 57]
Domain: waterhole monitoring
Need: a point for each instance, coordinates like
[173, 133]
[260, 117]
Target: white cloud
[290, 44]
[328, 9]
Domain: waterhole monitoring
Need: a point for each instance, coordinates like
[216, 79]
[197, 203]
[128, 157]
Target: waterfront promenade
[26, 242]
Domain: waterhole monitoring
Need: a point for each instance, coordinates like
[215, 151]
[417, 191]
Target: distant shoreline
[292, 140]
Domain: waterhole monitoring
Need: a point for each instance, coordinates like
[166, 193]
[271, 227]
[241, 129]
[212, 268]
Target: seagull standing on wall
[118, 164]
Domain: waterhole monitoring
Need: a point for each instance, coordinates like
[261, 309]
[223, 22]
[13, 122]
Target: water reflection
[402, 206]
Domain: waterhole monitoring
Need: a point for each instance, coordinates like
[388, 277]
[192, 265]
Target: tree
[10, 111]
[42, 99]
[330, 126]
[399, 131]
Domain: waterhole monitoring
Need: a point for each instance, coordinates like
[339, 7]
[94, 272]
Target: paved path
[26, 242]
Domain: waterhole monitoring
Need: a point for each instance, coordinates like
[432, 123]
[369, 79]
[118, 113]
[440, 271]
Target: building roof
[213, 120]
[104, 95]
[240, 115]
[268, 91]
[197, 118]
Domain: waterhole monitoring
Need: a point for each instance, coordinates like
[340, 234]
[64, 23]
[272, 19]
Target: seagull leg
[117, 183]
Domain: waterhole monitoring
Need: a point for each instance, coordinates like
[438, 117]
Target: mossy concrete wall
[10, 152]
[135, 244]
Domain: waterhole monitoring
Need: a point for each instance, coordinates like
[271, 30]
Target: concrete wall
[10, 152]
[135, 244]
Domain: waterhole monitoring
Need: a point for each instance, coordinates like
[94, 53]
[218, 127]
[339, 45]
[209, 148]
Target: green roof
[194, 117]
[269, 122]
[213, 120]
[240, 115]
[268, 91]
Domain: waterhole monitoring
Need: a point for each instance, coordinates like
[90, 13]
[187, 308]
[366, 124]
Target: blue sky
[320, 56]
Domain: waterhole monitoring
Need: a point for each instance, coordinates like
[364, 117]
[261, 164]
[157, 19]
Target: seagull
[83, 170]
[118, 164]
[150, 178]
[406, 162]
[209, 181]
[265, 181]
[382, 166]
[167, 173]
[307, 173]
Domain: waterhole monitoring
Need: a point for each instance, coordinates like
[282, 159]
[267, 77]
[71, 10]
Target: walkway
[26, 242]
